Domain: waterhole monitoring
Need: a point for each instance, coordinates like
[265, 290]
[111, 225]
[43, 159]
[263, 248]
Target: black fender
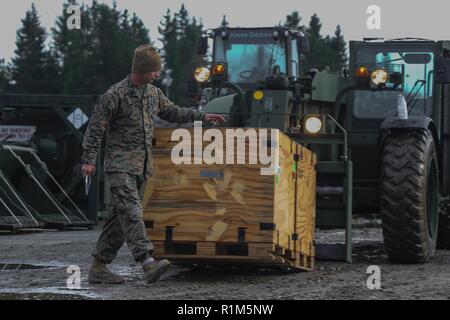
[391, 125]
[410, 123]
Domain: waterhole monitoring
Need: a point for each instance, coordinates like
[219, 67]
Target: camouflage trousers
[126, 221]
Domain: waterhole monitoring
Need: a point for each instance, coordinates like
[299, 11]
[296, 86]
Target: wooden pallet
[225, 253]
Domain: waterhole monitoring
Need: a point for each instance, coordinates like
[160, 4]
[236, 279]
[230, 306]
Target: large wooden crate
[230, 213]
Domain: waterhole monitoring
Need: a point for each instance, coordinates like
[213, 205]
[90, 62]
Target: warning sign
[78, 118]
[16, 133]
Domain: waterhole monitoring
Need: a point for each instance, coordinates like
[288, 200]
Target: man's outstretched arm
[170, 112]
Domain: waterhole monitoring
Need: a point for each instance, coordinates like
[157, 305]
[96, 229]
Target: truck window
[250, 59]
[417, 84]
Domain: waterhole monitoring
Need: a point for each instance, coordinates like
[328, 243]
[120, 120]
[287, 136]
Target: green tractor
[387, 114]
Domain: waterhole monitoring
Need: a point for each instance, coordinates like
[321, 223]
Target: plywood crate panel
[232, 204]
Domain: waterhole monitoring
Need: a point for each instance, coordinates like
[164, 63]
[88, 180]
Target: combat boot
[154, 269]
[99, 273]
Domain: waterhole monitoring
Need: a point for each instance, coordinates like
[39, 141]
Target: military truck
[407, 177]
[40, 150]
[387, 114]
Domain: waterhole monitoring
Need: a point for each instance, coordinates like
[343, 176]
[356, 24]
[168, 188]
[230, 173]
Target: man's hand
[87, 170]
[214, 118]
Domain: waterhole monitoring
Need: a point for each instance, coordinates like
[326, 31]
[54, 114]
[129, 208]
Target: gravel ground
[330, 280]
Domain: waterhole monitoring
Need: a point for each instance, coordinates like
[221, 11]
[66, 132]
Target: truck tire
[409, 196]
[443, 239]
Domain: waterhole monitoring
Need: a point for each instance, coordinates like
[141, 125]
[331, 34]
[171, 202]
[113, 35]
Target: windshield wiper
[271, 60]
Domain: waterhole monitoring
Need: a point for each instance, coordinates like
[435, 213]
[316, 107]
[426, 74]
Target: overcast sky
[399, 18]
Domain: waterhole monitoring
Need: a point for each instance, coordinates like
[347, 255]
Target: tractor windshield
[417, 69]
[250, 56]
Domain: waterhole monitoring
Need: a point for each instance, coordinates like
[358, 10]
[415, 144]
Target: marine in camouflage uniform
[125, 113]
[127, 118]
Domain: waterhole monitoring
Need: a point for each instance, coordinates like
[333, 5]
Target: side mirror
[202, 46]
[303, 44]
[443, 71]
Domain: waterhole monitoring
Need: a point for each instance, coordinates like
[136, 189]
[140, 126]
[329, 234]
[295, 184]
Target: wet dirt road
[34, 266]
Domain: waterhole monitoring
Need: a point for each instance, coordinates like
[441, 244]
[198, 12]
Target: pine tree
[52, 74]
[73, 51]
[320, 54]
[100, 53]
[194, 32]
[4, 78]
[180, 73]
[338, 46]
[224, 23]
[183, 21]
[139, 33]
[117, 37]
[29, 62]
[109, 67]
[314, 29]
[293, 20]
[167, 32]
[180, 34]
[170, 55]
[133, 33]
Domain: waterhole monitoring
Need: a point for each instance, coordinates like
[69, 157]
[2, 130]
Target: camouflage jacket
[127, 120]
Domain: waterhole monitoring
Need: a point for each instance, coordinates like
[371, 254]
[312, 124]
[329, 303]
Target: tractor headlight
[201, 74]
[218, 69]
[362, 72]
[379, 76]
[313, 125]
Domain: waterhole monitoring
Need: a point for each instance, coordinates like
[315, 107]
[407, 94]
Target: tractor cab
[381, 73]
[383, 70]
[253, 55]
[245, 60]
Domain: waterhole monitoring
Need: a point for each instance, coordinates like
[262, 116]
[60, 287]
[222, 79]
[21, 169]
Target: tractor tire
[443, 239]
[409, 196]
